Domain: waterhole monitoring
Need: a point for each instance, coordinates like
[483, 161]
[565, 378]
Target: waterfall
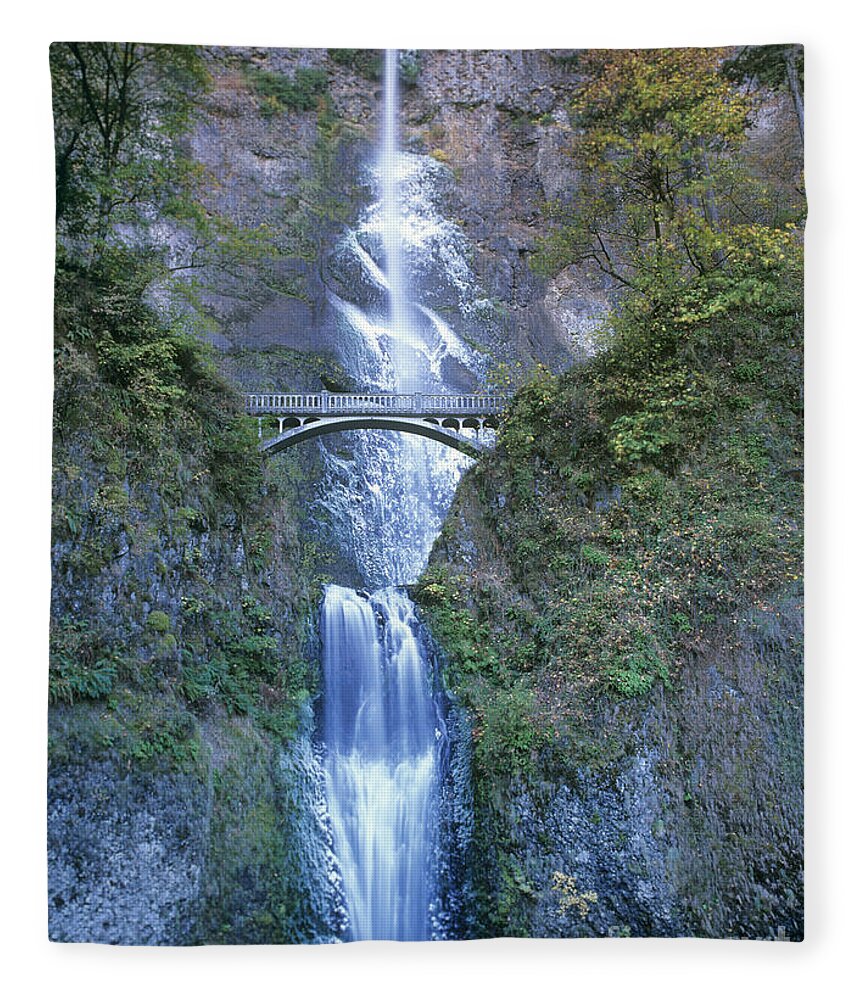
[400, 286]
[385, 739]
[399, 321]
[386, 745]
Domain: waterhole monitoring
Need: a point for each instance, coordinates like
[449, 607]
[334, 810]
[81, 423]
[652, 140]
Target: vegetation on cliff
[622, 580]
[182, 584]
[153, 456]
[634, 547]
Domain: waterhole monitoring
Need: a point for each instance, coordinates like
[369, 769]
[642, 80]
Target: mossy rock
[158, 621]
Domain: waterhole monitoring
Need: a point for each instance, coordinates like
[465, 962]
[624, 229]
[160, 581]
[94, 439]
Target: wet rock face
[607, 843]
[126, 855]
[496, 124]
[157, 859]
[499, 120]
[454, 913]
[264, 166]
[696, 829]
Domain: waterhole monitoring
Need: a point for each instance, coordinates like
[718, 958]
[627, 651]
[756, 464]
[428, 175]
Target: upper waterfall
[387, 494]
[399, 320]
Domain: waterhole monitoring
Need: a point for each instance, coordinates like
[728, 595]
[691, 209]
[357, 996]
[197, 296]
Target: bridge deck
[419, 404]
[441, 417]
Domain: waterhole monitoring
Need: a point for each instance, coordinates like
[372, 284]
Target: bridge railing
[339, 404]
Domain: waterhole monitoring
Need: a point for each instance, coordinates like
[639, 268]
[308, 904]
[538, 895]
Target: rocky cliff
[184, 798]
[494, 123]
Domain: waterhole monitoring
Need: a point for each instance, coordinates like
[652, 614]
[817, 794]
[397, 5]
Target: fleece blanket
[427, 493]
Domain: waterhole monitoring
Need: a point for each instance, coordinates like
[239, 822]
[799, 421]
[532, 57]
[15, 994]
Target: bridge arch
[408, 425]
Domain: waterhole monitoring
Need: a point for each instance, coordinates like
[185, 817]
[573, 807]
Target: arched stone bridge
[439, 416]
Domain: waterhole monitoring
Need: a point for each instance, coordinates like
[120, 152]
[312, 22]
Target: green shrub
[80, 666]
[237, 468]
[680, 623]
[593, 556]
[465, 642]
[409, 68]
[365, 62]
[643, 435]
[69, 681]
[191, 518]
[158, 742]
[303, 91]
[158, 621]
[633, 673]
[507, 731]
[109, 504]
[196, 679]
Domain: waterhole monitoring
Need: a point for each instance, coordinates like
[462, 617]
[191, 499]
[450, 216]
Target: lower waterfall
[384, 740]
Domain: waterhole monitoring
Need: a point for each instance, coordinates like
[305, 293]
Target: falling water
[399, 319]
[385, 738]
[387, 493]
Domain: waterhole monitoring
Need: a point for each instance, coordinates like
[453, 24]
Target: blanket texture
[427, 494]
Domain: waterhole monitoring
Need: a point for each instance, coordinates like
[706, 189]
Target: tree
[661, 211]
[775, 66]
[121, 111]
[118, 111]
[649, 122]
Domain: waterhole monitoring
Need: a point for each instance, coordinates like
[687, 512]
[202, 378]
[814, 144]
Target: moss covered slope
[181, 659]
[619, 588]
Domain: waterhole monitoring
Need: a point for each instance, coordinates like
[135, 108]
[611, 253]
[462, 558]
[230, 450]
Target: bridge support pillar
[260, 428]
